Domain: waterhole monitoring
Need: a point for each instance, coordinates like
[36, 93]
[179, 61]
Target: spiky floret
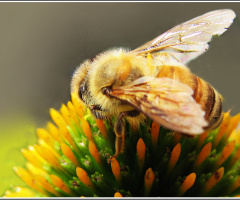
[71, 158]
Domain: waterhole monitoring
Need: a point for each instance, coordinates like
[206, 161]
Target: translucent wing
[165, 101]
[188, 40]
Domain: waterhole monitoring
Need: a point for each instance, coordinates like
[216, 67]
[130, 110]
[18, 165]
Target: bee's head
[109, 70]
[113, 69]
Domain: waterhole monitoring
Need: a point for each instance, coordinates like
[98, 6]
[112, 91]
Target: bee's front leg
[119, 129]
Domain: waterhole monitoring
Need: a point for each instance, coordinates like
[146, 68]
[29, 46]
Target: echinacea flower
[71, 159]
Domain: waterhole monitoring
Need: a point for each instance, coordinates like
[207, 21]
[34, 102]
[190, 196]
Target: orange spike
[47, 155]
[53, 150]
[177, 137]
[53, 130]
[67, 151]
[35, 170]
[235, 185]
[155, 133]
[236, 157]
[148, 181]
[83, 177]
[141, 150]
[187, 183]
[214, 179]
[201, 139]
[223, 129]
[203, 155]
[94, 152]
[57, 117]
[28, 178]
[58, 182]
[101, 127]
[174, 157]
[235, 135]
[67, 136]
[45, 136]
[65, 114]
[233, 125]
[228, 149]
[77, 105]
[32, 156]
[116, 169]
[73, 113]
[86, 128]
[117, 194]
[46, 184]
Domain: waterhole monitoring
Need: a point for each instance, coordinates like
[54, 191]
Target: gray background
[42, 43]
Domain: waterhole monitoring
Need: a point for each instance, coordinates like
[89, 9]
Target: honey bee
[153, 81]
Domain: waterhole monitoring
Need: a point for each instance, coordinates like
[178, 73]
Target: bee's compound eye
[82, 90]
[107, 90]
[80, 93]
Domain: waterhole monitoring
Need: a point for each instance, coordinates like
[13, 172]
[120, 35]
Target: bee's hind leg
[119, 129]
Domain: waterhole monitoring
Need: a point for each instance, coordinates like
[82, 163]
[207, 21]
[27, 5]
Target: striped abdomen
[203, 93]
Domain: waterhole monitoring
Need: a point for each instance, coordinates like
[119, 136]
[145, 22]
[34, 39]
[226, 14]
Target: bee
[153, 81]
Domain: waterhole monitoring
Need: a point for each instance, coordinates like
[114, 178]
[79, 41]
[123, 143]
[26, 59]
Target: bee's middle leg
[119, 129]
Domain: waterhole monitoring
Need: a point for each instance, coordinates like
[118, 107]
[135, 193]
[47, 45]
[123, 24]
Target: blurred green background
[42, 43]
